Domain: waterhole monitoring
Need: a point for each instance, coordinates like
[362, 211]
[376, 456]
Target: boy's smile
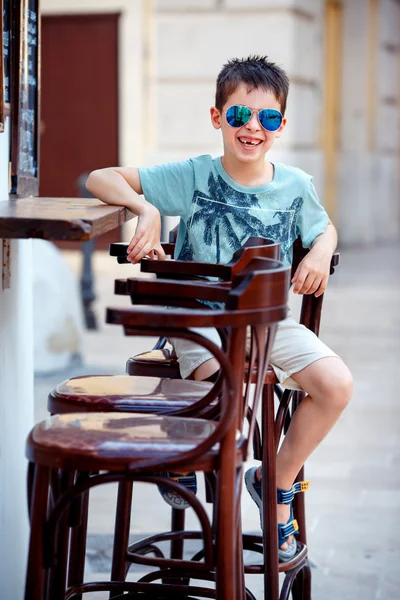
[249, 143]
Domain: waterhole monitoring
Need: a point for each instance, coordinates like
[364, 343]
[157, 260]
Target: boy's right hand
[146, 240]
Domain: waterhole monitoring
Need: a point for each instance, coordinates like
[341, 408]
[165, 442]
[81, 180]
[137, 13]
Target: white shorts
[295, 347]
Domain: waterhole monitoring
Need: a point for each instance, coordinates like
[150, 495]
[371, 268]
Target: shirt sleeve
[169, 187]
[313, 219]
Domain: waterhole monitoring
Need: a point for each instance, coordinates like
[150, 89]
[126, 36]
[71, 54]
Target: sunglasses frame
[254, 110]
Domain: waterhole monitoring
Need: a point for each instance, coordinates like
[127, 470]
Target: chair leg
[257, 442]
[270, 529]
[58, 572]
[35, 577]
[300, 512]
[301, 589]
[77, 552]
[307, 581]
[226, 525]
[177, 524]
[240, 583]
[30, 479]
[121, 533]
[209, 483]
[299, 499]
[297, 587]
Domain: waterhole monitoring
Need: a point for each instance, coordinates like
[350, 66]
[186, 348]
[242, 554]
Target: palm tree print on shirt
[224, 219]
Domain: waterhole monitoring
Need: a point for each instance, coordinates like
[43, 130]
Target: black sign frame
[2, 69]
[5, 24]
[25, 97]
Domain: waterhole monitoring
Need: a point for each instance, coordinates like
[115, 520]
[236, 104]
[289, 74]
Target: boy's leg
[302, 361]
[195, 362]
[329, 387]
[206, 370]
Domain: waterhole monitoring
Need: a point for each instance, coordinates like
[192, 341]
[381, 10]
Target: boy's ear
[279, 132]
[215, 117]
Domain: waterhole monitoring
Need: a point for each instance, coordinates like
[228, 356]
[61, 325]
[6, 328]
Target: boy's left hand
[312, 274]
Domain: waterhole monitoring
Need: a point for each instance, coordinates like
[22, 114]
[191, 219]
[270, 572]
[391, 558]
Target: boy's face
[258, 139]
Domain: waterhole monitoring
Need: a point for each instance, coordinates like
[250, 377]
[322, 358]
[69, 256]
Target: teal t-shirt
[218, 215]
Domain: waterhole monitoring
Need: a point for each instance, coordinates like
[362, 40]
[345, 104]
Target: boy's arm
[121, 186]
[312, 274]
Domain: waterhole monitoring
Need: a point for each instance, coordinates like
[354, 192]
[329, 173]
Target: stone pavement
[354, 501]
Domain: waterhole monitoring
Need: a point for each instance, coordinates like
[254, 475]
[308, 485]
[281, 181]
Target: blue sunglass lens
[237, 116]
[270, 119]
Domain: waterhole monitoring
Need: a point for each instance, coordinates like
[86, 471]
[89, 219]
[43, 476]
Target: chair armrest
[119, 250]
[240, 260]
[184, 268]
[170, 291]
[311, 306]
[142, 289]
[120, 287]
[151, 320]
[334, 262]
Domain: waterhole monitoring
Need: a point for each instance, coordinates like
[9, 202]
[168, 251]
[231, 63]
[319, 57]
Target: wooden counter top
[76, 219]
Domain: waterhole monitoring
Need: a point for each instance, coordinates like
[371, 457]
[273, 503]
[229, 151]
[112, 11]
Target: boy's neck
[248, 174]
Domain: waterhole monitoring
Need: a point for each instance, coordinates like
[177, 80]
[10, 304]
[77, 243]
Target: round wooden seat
[116, 441]
[148, 364]
[105, 393]
[162, 363]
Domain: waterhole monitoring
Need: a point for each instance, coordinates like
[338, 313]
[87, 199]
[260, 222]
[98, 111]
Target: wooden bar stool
[127, 447]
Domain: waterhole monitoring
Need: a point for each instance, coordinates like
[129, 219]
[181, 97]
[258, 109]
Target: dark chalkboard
[2, 103]
[6, 48]
[3, 61]
[25, 98]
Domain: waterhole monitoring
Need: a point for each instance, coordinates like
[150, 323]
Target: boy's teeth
[248, 143]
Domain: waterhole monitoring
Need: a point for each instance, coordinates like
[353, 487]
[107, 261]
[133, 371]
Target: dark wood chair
[166, 366]
[149, 394]
[160, 360]
[128, 395]
[128, 447]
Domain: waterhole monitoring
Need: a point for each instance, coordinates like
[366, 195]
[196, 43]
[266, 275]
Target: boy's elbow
[93, 180]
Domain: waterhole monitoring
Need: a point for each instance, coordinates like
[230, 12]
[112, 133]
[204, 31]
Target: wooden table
[77, 219]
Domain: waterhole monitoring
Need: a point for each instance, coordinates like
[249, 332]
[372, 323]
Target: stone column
[16, 403]
[370, 110]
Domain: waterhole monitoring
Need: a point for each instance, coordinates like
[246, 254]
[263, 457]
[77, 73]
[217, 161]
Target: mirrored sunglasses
[269, 118]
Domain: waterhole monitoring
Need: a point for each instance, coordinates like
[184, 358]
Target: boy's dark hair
[255, 72]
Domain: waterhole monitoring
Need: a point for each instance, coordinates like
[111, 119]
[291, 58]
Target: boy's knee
[206, 370]
[340, 386]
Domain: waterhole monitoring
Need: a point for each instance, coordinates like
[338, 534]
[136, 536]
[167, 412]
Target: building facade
[343, 60]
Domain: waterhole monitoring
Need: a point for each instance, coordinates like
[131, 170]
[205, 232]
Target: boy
[222, 202]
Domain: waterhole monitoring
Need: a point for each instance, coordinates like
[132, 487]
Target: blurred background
[130, 82]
